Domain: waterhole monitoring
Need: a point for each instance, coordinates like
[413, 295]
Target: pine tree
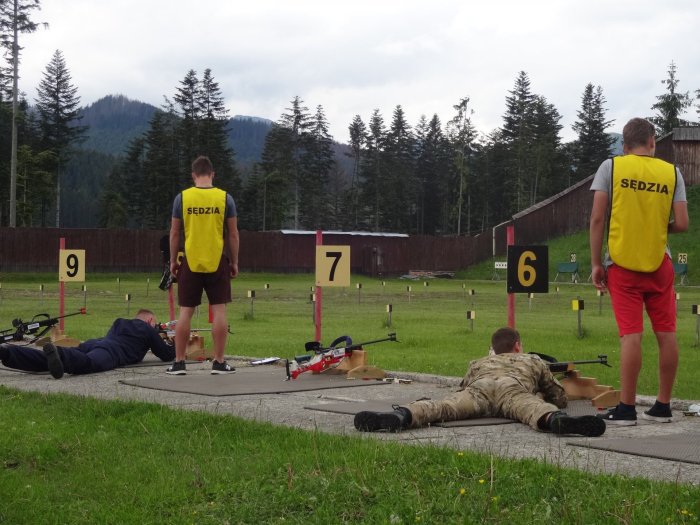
[297, 123]
[593, 144]
[433, 170]
[399, 197]
[318, 160]
[517, 134]
[671, 105]
[372, 179]
[58, 105]
[358, 138]
[546, 162]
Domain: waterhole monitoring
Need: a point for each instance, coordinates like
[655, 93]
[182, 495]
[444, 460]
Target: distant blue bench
[682, 270]
[571, 268]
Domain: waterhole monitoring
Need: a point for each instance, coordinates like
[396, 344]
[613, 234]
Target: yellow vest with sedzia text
[641, 199]
[203, 214]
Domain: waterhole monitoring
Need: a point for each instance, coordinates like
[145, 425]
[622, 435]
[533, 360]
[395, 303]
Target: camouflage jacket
[529, 370]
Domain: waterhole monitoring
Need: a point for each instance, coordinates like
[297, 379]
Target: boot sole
[53, 361]
[658, 419]
[373, 421]
[589, 426]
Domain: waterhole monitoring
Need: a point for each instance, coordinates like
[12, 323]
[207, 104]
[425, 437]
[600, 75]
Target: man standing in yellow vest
[208, 216]
[644, 200]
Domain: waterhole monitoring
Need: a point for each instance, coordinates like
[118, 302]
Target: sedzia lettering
[640, 185]
[204, 210]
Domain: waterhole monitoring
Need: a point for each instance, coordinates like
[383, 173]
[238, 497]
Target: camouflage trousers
[502, 397]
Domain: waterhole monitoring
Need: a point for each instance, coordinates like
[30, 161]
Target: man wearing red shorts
[644, 200]
[208, 216]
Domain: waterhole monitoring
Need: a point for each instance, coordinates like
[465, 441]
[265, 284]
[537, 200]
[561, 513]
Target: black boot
[53, 360]
[562, 423]
[394, 421]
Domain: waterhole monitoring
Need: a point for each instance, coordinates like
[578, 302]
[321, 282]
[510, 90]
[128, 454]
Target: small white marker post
[530, 297]
[359, 293]
[41, 295]
[408, 289]
[312, 300]
[678, 298]
[471, 315]
[389, 309]
[251, 296]
[85, 296]
[119, 285]
[600, 293]
[696, 311]
[128, 303]
[148, 285]
[578, 305]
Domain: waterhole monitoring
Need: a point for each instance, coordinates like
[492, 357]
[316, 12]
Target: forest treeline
[427, 177]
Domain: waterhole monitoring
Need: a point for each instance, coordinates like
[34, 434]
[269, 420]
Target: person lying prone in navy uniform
[126, 343]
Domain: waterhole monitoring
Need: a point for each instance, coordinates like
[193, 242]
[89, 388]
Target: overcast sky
[357, 56]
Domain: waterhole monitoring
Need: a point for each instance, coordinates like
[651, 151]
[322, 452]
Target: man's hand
[598, 277]
[174, 267]
[233, 270]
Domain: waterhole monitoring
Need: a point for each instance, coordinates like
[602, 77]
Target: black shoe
[619, 417]
[590, 426]
[398, 419]
[221, 368]
[53, 360]
[658, 413]
[178, 368]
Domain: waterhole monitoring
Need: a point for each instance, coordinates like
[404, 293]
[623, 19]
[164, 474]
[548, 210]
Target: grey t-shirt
[603, 180]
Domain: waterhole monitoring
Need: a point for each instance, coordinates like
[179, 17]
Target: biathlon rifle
[168, 329]
[564, 367]
[41, 323]
[326, 358]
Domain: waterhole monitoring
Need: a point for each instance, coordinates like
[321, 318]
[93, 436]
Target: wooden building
[682, 148]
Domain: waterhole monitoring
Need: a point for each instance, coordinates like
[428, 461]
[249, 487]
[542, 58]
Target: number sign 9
[333, 266]
[71, 265]
[528, 269]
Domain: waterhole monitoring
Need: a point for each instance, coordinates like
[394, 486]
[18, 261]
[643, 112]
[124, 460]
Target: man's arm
[551, 389]
[175, 227]
[233, 241]
[597, 230]
[680, 218]
[160, 348]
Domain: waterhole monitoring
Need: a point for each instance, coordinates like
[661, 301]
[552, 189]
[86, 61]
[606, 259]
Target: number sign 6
[528, 269]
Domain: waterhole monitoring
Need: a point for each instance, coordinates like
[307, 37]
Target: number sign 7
[333, 266]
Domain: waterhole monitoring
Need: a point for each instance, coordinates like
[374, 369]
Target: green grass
[434, 334]
[75, 460]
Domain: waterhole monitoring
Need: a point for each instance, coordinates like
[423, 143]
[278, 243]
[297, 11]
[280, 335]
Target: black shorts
[190, 285]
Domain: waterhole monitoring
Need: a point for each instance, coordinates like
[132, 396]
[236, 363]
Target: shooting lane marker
[425, 283]
[383, 287]
[41, 295]
[71, 268]
[471, 315]
[312, 300]
[557, 289]
[696, 311]
[472, 293]
[85, 296]
[408, 289]
[128, 303]
[148, 285]
[267, 286]
[251, 296]
[359, 293]
[600, 293]
[678, 298]
[577, 305]
[332, 269]
[119, 285]
[530, 297]
[389, 309]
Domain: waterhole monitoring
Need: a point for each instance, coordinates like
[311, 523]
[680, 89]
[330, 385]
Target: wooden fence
[36, 249]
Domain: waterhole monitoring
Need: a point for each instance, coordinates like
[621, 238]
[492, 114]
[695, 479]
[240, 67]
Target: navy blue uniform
[126, 343]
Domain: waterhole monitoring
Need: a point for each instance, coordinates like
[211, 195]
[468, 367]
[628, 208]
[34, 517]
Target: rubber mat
[248, 380]
[678, 447]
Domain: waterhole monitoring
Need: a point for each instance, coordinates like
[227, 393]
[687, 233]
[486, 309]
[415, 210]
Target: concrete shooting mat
[246, 380]
[575, 408]
[679, 447]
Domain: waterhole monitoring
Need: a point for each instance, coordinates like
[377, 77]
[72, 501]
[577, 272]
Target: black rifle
[557, 367]
[20, 328]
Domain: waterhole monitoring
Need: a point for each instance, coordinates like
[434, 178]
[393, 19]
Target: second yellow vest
[641, 201]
